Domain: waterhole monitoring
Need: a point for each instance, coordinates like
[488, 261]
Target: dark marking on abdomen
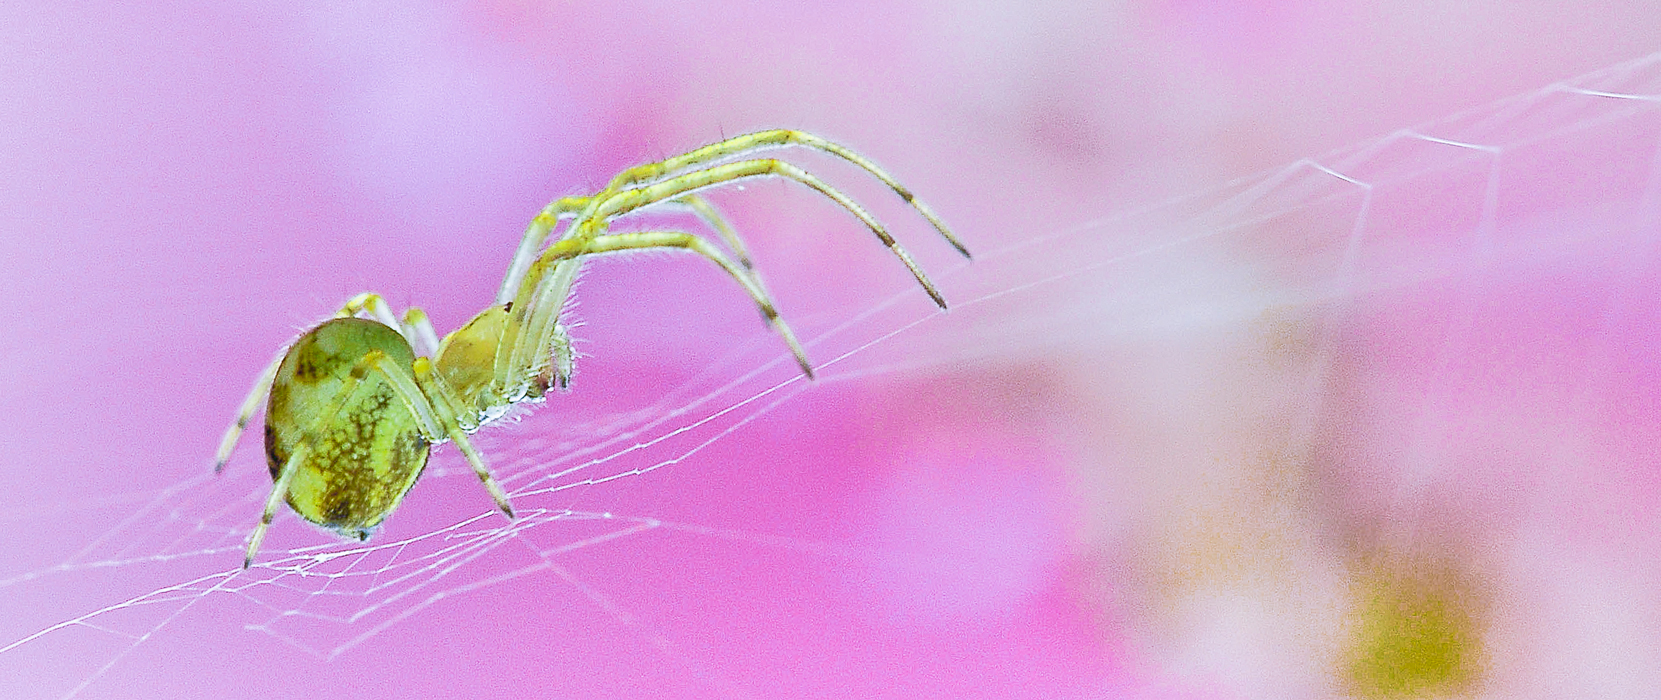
[274, 454]
[338, 510]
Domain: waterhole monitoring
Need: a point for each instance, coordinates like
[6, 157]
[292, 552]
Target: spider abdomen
[364, 455]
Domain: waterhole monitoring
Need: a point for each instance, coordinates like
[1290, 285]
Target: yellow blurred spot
[1416, 636]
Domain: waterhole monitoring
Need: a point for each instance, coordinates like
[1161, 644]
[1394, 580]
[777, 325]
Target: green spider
[357, 401]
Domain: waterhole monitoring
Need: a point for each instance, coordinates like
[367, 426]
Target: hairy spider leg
[419, 330]
[519, 345]
[531, 243]
[262, 387]
[542, 300]
[537, 235]
[712, 216]
[446, 406]
[514, 363]
[564, 357]
[620, 203]
[542, 226]
[437, 422]
[565, 271]
[743, 144]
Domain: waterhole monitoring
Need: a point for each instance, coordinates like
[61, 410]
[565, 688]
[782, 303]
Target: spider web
[1416, 207]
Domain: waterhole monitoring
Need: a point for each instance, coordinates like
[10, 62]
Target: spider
[354, 404]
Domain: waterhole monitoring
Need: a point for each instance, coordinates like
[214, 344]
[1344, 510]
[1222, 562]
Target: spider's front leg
[536, 234]
[534, 323]
[759, 140]
[600, 211]
[541, 227]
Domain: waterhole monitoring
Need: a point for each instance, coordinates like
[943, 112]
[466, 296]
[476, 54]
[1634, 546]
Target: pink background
[1018, 500]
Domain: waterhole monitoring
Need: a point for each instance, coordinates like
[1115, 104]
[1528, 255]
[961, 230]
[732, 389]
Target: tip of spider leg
[247, 562]
[956, 244]
[934, 294]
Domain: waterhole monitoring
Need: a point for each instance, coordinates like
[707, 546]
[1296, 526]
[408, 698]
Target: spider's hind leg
[262, 387]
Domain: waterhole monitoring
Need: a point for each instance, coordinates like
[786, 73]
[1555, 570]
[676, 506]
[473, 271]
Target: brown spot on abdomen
[274, 454]
[313, 364]
[338, 510]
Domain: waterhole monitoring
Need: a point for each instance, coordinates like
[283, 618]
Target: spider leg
[740, 145]
[535, 291]
[444, 403]
[565, 274]
[418, 329]
[541, 312]
[279, 491]
[510, 357]
[602, 210]
[565, 358]
[712, 217]
[536, 234]
[262, 386]
[538, 309]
